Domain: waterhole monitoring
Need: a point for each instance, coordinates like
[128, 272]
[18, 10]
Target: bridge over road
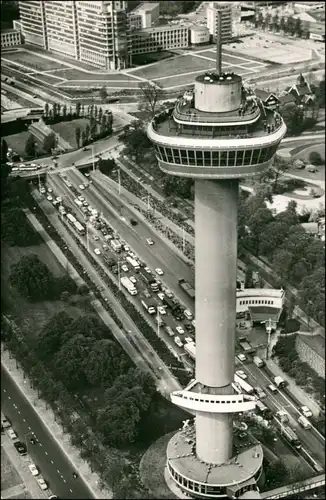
[298, 487]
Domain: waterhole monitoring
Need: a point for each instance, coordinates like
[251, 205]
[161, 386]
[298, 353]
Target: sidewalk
[91, 478]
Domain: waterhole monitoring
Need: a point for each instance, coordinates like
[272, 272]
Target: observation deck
[220, 130]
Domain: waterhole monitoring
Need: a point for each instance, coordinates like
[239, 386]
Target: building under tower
[217, 134]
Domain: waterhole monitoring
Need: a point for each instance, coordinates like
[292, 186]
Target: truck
[78, 202]
[149, 280]
[187, 287]
[62, 210]
[134, 263]
[190, 349]
[128, 285]
[304, 422]
[169, 303]
[279, 382]
[283, 416]
[258, 361]
[116, 245]
[246, 346]
[291, 436]
[148, 307]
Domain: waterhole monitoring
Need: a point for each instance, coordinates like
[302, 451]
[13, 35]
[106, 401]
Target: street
[54, 466]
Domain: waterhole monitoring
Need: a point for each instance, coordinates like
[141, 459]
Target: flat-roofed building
[61, 27]
[198, 35]
[224, 9]
[148, 12]
[160, 38]
[32, 16]
[10, 38]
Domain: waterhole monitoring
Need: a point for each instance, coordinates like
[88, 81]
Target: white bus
[80, 228]
[243, 384]
[71, 218]
[128, 285]
[133, 263]
[78, 202]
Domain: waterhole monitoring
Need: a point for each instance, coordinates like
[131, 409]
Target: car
[33, 470]
[147, 269]
[159, 271]
[83, 209]
[53, 497]
[161, 310]
[95, 237]
[49, 198]
[85, 149]
[124, 268]
[5, 422]
[50, 190]
[160, 296]
[126, 248]
[132, 254]
[260, 392]
[147, 294]
[180, 330]
[159, 282]
[169, 294]
[12, 434]
[272, 388]
[105, 246]
[149, 241]
[97, 251]
[59, 199]
[241, 374]
[21, 448]
[81, 198]
[42, 483]
[242, 357]
[133, 279]
[189, 340]
[86, 174]
[81, 186]
[68, 184]
[133, 222]
[306, 412]
[85, 203]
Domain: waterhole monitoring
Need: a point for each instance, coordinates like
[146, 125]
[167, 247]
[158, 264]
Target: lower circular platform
[202, 480]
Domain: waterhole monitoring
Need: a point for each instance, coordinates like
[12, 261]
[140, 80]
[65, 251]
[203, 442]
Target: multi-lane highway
[46, 454]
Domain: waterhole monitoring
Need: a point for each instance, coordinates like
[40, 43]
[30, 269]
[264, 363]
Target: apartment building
[32, 15]
[213, 10]
[10, 38]
[160, 38]
[61, 27]
[96, 32]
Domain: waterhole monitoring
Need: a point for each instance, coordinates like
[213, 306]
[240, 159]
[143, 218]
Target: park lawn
[132, 84]
[176, 66]
[17, 143]
[74, 74]
[31, 317]
[34, 61]
[67, 129]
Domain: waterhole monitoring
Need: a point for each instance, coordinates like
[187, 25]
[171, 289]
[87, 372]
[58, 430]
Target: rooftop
[146, 6]
[246, 462]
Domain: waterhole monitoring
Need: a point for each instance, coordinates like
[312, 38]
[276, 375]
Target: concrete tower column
[216, 269]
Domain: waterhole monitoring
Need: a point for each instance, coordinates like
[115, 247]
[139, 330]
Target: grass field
[95, 83]
[74, 74]
[46, 78]
[67, 129]
[17, 143]
[9, 475]
[34, 61]
[25, 103]
[175, 66]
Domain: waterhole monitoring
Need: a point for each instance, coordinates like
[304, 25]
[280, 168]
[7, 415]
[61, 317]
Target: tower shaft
[216, 269]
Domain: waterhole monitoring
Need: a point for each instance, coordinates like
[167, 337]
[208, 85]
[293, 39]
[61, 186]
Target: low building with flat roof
[160, 38]
[10, 38]
[147, 13]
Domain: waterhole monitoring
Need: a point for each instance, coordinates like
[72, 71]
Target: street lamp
[269, 331]
[119, 274]
[183, 240]
[158, 323]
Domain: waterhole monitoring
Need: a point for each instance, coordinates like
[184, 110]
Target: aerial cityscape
[163, 249]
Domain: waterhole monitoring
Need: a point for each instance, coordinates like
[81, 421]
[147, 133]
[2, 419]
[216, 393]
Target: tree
[13, 218]
[54, 109]
[30, 149]
[100, 114]
[93, 127]
[103, 93]
[70, 361]
[78, 105]
[249, 276]
[77, 136]
[293, 117]
[64, 110]
[151, 93]
[315, 158]
[275, 474]
[4, 151]
[49, 142]
[31, 277]
[106, 166]
[50, 338]
[83, 137]
[135, 140]
[46, 109]
[87, 132]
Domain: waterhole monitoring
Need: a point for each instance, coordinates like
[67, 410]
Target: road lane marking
[24, 420]
[19, 412]
[9, 397]
[46, 452]
[40, 444]
[58, 471]
[70, 491]
[30, 428]
[4, 390]
[64, 481]
[61, 477]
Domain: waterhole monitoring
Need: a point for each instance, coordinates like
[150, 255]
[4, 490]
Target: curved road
[47, 455]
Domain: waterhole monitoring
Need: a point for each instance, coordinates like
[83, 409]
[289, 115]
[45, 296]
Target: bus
[80, 228]
[71, 218]
[243, 384]
[133, 263]
[289, 434]
[128, 285]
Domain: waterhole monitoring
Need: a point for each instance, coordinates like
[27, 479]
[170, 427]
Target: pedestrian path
[91, 479]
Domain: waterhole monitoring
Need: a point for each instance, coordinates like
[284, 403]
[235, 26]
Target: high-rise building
[223, 9]
[217, 134]
[32, 16]
[96, 32]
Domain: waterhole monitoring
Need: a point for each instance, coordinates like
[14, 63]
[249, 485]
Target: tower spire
[219, 42]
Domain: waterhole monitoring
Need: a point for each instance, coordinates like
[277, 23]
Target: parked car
[12, 434]
[33, 470]
[42, 483]
[21, 448]
[241, 374]
[5, 422]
